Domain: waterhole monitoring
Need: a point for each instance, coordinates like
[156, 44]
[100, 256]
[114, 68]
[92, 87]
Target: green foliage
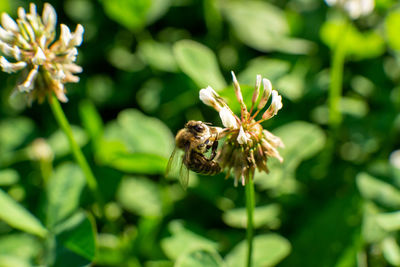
[17, 216]
[269, 249]
[199, 63]
[334, 201]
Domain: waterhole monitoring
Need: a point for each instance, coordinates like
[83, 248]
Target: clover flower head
[355, 8]
[28, 45]
[247, 145]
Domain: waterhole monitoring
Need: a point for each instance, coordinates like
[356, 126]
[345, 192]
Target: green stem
[335, 90]
[76, 151]
[250, 212]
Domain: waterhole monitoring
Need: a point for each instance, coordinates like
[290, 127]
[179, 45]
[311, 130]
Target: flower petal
[208, 97]
[77, 36]
[65, 35]
[11, 67]
[228, 118]
[242, 137]
[8, 23]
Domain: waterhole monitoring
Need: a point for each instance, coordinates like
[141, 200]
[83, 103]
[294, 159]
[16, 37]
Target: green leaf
[200, 258]
[129, 13]
[91, 120]
[378, 191]
[18, 217]
[263, 26]
[141, 133]
[63, 192]
[309, 140]
[264, 215]
[13, 132]
[12, 261]
[392, 26]
[135, 14]
[8, 177]
[21, 245]
[183, 240]
[134, 190]
[372, 43]
[78, 235]
[158, 55]
[391, 251]
[114, 154]
[60, 144]
[268, 250]
[389, 221]
[199, 63]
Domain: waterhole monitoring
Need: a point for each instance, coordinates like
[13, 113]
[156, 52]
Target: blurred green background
[333, 202]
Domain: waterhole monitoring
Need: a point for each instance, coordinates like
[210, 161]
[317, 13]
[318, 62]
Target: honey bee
[195, 140]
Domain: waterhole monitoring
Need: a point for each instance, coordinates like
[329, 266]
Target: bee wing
[173, 163]
[184, 176]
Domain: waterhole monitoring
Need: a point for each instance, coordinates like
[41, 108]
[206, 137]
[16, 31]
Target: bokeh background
[333, 202]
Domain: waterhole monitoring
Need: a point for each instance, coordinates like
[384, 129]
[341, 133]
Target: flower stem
[76, 151]
[335, 90]
[250, 212]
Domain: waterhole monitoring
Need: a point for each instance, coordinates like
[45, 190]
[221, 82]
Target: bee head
[195, 127]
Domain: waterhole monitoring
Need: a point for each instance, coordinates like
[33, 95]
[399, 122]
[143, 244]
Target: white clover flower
[247, 145]
[355, 8]
[30, 43]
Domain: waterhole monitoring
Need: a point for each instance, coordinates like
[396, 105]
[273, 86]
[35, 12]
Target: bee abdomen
[200, 164]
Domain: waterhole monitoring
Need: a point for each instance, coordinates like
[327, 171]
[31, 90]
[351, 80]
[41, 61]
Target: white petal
[59, 75]
[72, 53]
[6, 49]
[65, 35]
[227, 118]
[242, 138]
[77, 36]
[39, 57]
[11, 67]
[8, 23]
[207, 96]
[32, 9]
[276, 102]
[21, 13]
[6, 36]
[16, 52]
[49, 17]
[27, 85]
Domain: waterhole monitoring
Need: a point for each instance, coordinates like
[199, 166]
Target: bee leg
[214, 150]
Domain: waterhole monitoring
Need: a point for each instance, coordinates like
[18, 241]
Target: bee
[195, 140]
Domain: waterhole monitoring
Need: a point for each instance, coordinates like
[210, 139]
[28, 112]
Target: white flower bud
[8, 23]
[242, 137]
[6, 36]
[77, 36]
[256, 89]
[65, 36]
[21, 13]
[6, 49]
[276, 102]
[32, 9]
[11, 67]
[266, 93]
[227, 118]
[49, 17]
[39, 57]
[207, 96]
